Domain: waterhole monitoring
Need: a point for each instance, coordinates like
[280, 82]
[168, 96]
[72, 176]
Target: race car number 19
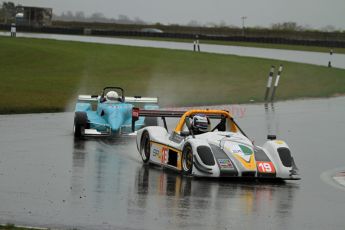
[266, 167]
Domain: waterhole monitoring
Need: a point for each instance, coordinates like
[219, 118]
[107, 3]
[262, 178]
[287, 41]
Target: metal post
[276, 82]
[243, 18]
[330, 58]
[269, 82]
[196, 44]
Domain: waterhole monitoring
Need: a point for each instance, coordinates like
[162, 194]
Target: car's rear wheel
[145, 147]
[187, 159]
[80, 123]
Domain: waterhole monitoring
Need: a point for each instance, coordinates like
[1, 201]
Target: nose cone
[115, 119]
[117, 115]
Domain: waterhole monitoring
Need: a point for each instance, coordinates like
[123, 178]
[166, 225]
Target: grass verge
[39, 75]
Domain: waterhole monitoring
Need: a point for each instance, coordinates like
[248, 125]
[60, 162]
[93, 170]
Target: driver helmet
[112, 96]
[200, 123]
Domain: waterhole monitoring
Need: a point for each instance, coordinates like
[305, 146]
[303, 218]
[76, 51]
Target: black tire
[145, 147]
[187, 159]
[80, 124]
[151, 121]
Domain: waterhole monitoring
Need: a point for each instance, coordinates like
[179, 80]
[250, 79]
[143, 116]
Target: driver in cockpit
[200, 124]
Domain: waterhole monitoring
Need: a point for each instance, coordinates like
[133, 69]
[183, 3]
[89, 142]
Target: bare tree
[291, 26]
[124, 19]
[79, 16]
[9, 11]
[193, 23]
[329, 28]
[97, 17]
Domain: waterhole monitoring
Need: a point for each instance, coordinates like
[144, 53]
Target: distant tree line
[8, 12]
[79, 16]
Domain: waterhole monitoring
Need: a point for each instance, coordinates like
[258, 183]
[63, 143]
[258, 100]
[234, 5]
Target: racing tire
[80, 123]
[187, 159]
[145, 147]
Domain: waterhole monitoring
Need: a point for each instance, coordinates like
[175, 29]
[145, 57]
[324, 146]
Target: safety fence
[107, 32]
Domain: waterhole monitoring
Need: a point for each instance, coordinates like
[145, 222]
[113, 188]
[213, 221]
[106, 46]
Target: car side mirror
[184, 133]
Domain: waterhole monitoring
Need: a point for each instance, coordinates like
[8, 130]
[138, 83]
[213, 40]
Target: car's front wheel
[187, 159]
[145, 147]
[80, 123]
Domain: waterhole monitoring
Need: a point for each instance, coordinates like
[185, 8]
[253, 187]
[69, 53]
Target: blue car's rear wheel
[80, 124]
[187, 159]
[145, 147]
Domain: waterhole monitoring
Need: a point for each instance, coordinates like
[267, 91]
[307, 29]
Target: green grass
[39, 75]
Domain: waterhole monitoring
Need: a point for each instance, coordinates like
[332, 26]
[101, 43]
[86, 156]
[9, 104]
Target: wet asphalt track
[47, 179]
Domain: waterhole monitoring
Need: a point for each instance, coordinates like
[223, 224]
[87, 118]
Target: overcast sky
[315, 13]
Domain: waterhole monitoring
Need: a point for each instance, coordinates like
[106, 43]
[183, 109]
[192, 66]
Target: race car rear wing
[135, 99]
[88, 97]
[136, 113]
[141, 99]
[157, 113]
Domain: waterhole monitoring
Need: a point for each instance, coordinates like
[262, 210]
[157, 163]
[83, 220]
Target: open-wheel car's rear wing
[140, 99]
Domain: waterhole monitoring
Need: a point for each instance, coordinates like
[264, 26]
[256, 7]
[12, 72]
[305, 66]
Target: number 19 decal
[265, 167]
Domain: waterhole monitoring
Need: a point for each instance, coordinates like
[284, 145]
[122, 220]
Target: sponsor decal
[155, 152]
[165, 152]
[246, 150]
[135, 113]
[225, 164]
[265, 167]
[242, 151]
[279, 142]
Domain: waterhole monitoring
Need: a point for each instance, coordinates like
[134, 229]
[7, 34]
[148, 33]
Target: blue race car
[110, 113]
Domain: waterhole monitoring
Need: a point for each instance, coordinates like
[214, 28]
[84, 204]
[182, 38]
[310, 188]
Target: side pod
[280, 154]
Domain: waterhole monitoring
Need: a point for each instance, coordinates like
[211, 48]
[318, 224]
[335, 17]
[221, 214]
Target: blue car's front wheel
[80, 124]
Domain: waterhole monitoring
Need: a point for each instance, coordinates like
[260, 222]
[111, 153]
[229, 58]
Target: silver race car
[209, 143]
